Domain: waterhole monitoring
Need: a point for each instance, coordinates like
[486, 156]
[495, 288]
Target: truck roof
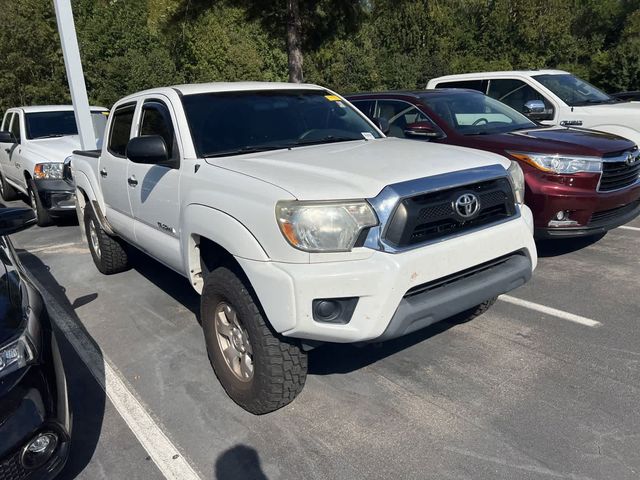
[214, 87]
[53, 108]
[504, 73]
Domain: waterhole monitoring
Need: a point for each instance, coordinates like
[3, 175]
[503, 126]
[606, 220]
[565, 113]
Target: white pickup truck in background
[299, 223]
[34, 143]
[553, 97]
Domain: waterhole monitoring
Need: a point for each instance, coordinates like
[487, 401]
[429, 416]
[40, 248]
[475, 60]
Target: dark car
[34, 413]
[627, 96]
[578, 181]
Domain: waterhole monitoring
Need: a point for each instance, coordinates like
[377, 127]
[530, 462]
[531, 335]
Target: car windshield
[574, 91]
[233, 123]
[60, 124]
[471, 113]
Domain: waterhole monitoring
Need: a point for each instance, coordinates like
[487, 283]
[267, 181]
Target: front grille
[432, 216]
[12, 469]
[617, 175]
[606, 215]
[455, 277]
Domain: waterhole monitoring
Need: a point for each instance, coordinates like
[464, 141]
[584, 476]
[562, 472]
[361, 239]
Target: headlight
[14, 356]
[560, 163]
[324, 226]
[516, 176]
[48, 171]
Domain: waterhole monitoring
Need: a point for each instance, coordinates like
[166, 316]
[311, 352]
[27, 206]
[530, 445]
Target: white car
[299, 223]
[34, 143]
[553, 97]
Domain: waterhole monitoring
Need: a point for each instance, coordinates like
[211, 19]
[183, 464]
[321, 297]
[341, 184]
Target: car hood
[55, 149]
[359, 169]
[11, 319]
[566, 141]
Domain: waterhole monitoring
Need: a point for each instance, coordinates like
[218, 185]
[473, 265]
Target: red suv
[578, 182]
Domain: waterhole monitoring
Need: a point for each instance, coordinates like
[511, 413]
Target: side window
[15, 127]
[399, 114]
[365, 106]
[515, 93]
[6, 121]
[479, 85]
[156, 120]
[121, 130]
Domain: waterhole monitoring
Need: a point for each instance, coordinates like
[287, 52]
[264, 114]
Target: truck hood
[566, 141]
[624, 113]
[55, 149]
[358, 169]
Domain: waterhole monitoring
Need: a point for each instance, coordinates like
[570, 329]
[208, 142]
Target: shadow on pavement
[239, 462]
[86, 397]
[562, 246]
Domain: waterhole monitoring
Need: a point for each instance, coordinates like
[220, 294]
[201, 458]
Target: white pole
[75, 75]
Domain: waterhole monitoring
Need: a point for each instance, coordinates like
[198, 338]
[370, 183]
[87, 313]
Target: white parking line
[161, 450]
[635, 229]
[551, 311]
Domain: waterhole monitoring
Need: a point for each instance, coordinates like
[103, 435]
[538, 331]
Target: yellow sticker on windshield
[332, 98]
[106, 114]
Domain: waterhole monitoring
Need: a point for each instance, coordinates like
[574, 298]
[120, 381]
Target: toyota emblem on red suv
[467, 205]
[632, 158]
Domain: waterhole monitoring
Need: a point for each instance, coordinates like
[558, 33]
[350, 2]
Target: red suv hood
[553, 140]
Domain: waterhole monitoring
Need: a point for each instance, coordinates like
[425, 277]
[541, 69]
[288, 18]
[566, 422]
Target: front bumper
[382, 280]
[57, 196]
[594, 212]
[37, 403]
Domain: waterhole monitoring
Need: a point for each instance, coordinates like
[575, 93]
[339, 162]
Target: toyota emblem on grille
[631, 158]
[467, 205]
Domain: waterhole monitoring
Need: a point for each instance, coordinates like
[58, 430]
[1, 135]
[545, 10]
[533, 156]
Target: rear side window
[15, 127]
[479, 85]
[7, 121]
[156, 120]
[121, 130]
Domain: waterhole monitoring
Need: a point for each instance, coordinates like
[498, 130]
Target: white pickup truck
[553, 97]
[299, 223]
[34, 143]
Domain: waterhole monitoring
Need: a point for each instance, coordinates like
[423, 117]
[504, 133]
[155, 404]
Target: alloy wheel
[233, 341]
[93, 237]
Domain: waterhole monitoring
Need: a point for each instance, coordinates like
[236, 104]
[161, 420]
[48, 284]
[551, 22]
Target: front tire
[474, 312]
[260, 370]
[42, 215]
[108, 253]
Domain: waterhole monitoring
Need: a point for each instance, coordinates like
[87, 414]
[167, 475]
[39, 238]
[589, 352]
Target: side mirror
[382, 123]
[149, 149]
[7, 137]
[536, 110]
[13, 220]
[422, 130]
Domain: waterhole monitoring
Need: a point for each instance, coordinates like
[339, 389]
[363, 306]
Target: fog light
[334, 310]
[561, 215]
[39, 450]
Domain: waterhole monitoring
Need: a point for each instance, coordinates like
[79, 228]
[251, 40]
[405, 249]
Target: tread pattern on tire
[43, 217]
[113, 258]
[478, 310]
[285, 372]
[8, 192]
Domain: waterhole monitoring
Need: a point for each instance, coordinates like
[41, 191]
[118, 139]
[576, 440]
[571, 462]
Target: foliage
[129, 45]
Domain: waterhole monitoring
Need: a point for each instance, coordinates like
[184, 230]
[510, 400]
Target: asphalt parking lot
[522, 392]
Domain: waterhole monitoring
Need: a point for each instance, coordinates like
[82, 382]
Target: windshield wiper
[327, 139]
[246, 149]
[51, 135]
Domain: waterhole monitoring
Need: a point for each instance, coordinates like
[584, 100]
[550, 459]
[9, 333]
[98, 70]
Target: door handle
[132, 181]
[103, 173]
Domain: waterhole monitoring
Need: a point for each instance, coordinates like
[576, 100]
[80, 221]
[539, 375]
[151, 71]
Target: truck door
[6, 148]
[154, 189]
[112, 171]
[17, 164]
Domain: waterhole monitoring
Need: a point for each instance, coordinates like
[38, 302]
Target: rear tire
[109, 254]
[7, 192]
[42, 215]
[260, 370]
[474, 312]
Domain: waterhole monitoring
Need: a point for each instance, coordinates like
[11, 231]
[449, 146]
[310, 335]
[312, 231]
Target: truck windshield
[59, 124]
[472, 113]
[233, 123]
[574, 91]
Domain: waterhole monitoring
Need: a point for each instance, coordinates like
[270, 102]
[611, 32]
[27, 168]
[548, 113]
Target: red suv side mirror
[422, 130]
